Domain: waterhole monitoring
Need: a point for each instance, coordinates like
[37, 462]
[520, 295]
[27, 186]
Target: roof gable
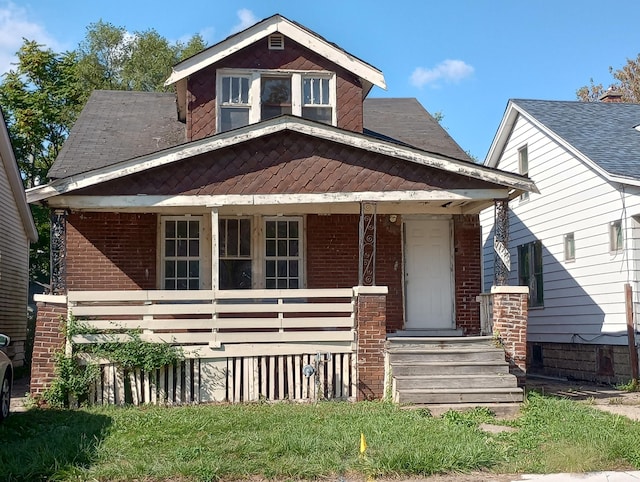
[601, 134]
[277, 23]
[264, 129]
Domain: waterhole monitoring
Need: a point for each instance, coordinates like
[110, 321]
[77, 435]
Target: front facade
[575, 244]
[17, 231]
[277, 218]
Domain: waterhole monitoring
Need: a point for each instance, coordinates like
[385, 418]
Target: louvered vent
[276, 41]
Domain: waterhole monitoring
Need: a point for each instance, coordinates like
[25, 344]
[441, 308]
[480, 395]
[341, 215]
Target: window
[235, 253]
[530, 271]
[181, 253]
[247, 97]
[234, 102]
[283, 253]
[615, 236]
[523, 167]
[569, 247]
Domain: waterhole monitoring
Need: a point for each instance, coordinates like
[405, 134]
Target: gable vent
[276, 41]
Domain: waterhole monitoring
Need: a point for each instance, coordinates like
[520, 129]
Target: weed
[631, 386]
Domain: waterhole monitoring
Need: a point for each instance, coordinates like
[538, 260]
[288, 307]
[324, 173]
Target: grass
[291, 441]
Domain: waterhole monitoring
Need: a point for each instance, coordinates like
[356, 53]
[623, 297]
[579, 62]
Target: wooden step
[504, 380]
[459, 395]
[395, 344]
[449, 368]
[448, 355]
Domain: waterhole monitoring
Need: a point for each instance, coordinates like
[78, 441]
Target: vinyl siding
[583, 299]
[14, 264]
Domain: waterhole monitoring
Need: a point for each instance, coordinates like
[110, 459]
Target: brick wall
[371, 321]
[510, 312]
[201, 87]
[114, 251]
[332, 258]
[608, 364]
[48, 339]
[468, 278]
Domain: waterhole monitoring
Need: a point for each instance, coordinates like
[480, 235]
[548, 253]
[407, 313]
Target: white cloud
[14, 26]
[447, 71]
[247, 19]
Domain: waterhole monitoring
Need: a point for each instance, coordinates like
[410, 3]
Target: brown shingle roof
[119, 125]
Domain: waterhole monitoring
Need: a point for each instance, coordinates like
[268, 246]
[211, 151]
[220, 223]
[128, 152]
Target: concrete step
[417, 382]
[501, 410]
[449, 368]
[448, 355]
[459, 395]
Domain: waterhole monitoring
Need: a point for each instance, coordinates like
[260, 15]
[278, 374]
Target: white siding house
[579, 237]
[17, 230]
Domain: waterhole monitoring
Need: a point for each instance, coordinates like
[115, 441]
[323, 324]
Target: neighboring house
[267, 216]
[17, 230]
[576, 243]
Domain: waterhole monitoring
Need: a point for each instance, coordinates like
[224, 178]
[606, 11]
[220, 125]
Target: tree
[627, 83]
[40, 99]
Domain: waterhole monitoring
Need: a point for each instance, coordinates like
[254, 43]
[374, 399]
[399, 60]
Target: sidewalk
[590, 477]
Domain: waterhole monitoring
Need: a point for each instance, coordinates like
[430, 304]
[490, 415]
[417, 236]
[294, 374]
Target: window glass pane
[293, 229]
[245, 237]
[194, 247]
[325, 91]
[282, 268]
[181, 268]
[293, 284]
[194, 229]
[282, 229]
[170, 247]
[271, 268]
[293, 247]
[169, 284]
[194, 269]
[169, 269]
[270, 284]
[271, 247]
[170, 229]
[282, 284]
[181, 247]
[319, 114]
[233, 118]
[293, 268]
[226, 89]
[193, 284]
[271, 229]
[275, 96]
[282, 247]
[181, 284]
[235, 274]
[232, 237]
[306, 91]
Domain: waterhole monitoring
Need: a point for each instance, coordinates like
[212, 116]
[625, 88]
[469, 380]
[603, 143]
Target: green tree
[627, 84]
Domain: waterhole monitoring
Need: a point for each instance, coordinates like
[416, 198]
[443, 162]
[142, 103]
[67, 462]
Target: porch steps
[455, 372]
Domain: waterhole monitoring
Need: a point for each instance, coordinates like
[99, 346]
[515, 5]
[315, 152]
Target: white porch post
[215, 252]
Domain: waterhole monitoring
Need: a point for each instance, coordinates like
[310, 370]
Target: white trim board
[515, 182]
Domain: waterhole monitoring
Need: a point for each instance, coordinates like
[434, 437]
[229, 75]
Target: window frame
[569, 242]
[531, 271]
[255, 90]
[301, 250]
[616, 236]
[251, 257]
[202, 248]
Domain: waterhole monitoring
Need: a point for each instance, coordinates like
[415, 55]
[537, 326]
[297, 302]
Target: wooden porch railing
[240, 345]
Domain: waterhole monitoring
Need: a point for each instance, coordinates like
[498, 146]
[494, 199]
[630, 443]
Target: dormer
[273, 68]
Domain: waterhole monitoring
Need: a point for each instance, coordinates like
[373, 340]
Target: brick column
[371, 320]
[510, 311]
[48, 339]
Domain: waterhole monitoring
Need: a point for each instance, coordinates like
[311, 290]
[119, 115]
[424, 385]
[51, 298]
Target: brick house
[267, 216]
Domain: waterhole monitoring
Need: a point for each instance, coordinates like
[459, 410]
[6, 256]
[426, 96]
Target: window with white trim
[235, 253]
[181, 252]
[616, 239]
[523, 167]
[569, 247]
[530, 271]
[283, 253]
[247, 97]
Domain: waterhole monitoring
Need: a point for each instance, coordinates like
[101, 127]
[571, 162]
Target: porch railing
[239, 345]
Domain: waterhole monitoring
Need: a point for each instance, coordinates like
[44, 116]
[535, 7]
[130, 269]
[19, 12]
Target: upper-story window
[246, 97]
[523, 167]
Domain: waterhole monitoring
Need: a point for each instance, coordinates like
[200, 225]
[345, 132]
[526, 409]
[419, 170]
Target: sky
[462, 58]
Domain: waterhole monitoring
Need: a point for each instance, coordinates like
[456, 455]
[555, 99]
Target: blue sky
[464, 58]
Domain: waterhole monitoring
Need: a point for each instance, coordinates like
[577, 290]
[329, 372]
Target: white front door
[428, 274]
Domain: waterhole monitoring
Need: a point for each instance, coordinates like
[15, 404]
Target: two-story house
[267, 216]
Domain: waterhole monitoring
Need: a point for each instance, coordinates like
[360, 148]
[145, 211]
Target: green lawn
[291, 441]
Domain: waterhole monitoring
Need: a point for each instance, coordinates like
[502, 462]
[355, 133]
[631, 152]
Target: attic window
[276, 41]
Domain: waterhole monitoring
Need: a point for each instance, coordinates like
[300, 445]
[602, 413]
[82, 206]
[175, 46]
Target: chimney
[611, 95]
